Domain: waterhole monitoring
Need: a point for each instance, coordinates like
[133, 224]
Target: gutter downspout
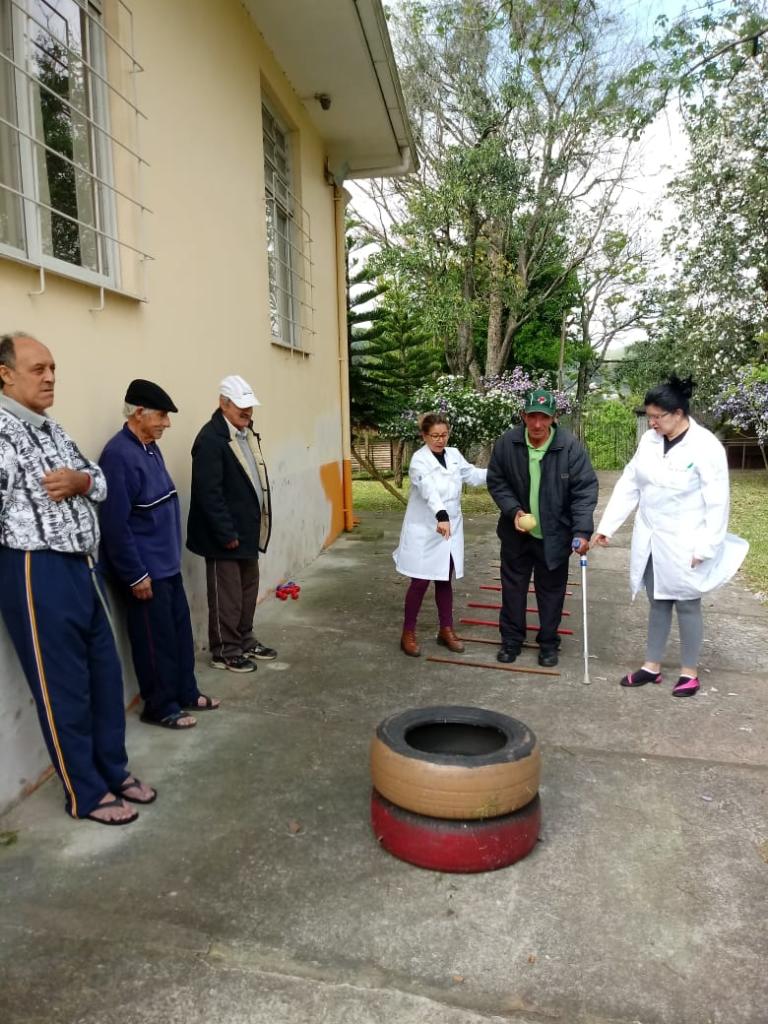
[340, 199]
[408, 164]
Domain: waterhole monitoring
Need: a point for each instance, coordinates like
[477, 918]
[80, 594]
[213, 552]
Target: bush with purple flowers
[477, 417]
[743, 401]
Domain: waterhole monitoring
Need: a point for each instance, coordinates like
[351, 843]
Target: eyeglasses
[657, 416]
[437, 437]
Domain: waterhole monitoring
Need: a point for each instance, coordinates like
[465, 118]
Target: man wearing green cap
[542, 480]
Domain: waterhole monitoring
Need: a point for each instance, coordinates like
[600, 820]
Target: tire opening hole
[455, 738]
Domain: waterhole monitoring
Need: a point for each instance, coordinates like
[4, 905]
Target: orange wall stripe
[333, 485]
[43, 682]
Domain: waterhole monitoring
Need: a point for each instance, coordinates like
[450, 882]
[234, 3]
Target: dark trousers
[64, 641]
[233, 589]
[520, 556]
[414, 597]
[163, 648]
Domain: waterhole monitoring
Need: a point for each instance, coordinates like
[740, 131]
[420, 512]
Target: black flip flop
[117, 802]
[208, 706]
[169, 722]
[134, 800]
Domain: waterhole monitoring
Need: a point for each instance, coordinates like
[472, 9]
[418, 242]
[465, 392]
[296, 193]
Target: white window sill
[58, 268]
[289, 348]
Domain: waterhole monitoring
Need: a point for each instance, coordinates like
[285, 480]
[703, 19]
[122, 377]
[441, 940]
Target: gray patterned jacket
[31, 446]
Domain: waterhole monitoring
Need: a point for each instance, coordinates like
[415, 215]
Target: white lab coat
[423, 553]
[682, 513]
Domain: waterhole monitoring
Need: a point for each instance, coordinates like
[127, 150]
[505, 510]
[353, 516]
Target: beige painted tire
[455, 762]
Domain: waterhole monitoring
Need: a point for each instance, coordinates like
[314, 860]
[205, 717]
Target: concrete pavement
[253, 890]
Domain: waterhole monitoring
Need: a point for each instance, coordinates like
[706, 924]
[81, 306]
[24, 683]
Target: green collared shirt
[535, 455]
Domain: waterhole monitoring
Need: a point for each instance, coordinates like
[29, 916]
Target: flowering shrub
[476, 417]
[743, 401]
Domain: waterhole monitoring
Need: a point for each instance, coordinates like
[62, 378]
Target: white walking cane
[583, 564]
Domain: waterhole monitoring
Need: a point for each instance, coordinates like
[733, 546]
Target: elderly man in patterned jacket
[51, 598]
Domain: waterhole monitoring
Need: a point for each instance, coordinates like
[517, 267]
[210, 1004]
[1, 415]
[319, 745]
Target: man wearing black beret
[141, 545]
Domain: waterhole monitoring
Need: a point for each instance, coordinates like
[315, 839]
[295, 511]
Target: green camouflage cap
[541, 400]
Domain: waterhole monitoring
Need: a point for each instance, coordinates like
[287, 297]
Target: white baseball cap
[239, 391]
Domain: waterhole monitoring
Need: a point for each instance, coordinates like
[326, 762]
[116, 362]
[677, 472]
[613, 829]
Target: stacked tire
[455, 788]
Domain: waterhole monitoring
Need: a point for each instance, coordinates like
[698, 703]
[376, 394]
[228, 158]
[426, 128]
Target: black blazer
[224, 505]
[567, 495]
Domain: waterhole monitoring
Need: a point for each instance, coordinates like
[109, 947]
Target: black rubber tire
[455, 762]
[455, 846]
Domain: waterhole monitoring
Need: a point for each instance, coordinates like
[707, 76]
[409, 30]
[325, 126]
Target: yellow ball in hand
[527, 522]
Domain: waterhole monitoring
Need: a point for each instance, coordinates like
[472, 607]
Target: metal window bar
[290, 264]
[304, 232]
[304, 323]
[33, 79]
[102, 234]
[303, 326]
[140, 168]
[76, 53]
[104, 258]
[84, 5]
[80, 223]
[80, 167]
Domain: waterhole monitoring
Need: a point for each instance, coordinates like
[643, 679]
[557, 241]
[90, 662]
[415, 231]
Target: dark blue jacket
[140, 521]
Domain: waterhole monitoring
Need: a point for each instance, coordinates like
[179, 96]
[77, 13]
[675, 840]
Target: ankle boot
[409, 644]
[447, 638]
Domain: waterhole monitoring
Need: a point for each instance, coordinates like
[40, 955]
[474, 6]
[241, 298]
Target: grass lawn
[749, 509]
[370, 496]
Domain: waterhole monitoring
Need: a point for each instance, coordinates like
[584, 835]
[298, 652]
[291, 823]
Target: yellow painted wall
[207, 314]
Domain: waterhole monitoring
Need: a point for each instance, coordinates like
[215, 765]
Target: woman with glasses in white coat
[432, 538]
[678, 482]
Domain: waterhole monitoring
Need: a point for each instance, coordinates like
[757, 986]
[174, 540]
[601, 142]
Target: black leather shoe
[548, 658]
[507, 653]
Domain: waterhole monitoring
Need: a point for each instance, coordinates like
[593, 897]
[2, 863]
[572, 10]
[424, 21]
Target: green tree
[712, 308]
[401, 355]
[612, 300]
[401, 359]
[520, 113]
[610, 433]
[362, 290]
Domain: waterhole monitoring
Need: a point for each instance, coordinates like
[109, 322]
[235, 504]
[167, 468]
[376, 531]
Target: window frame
[288, 207]
[31, 153]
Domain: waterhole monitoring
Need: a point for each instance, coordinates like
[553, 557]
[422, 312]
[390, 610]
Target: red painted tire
[456, 846]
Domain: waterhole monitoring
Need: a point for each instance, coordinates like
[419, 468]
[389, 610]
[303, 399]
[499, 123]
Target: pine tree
[362, 325]
[401, 356]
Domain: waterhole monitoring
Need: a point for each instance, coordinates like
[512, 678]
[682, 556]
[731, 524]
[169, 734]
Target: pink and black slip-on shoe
[641, 677]
[686, 686]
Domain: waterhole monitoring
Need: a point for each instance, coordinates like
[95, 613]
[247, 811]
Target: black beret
[149, 396]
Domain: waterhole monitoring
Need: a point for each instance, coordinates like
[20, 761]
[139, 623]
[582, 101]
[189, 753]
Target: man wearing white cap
[229, 524]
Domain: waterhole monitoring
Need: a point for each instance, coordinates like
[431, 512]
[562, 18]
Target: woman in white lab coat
[678, 481]
[432, 538]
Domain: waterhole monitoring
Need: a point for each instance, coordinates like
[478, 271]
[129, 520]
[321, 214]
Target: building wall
[207, 314]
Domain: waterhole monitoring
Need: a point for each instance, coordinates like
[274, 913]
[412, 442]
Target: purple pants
[443, 599]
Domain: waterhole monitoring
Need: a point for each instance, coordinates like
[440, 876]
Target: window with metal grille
[63, 73]
[289, 241]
